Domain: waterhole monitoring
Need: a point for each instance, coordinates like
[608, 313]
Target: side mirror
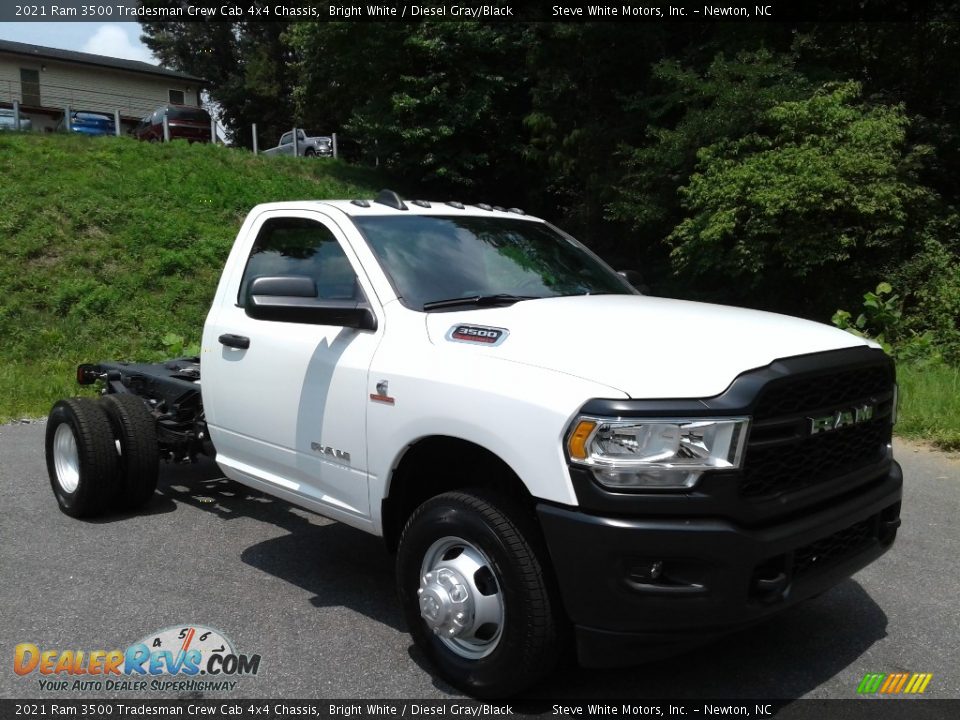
[293, 298]
[635, 279]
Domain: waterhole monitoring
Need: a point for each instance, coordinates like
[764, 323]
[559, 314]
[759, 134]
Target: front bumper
[635, 588]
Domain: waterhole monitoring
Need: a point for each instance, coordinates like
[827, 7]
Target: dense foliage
[788, 167]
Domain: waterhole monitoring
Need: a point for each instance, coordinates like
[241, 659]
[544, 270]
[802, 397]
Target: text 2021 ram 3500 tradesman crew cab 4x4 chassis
[553, 456]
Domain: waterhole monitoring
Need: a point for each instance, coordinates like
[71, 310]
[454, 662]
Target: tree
[437, 104]
[247, 66]
[807, 210]
[688, 110]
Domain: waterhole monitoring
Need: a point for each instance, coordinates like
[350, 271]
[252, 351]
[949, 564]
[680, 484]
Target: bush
[819, 199]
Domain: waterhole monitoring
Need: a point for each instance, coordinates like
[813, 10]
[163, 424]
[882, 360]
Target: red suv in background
[186, 123]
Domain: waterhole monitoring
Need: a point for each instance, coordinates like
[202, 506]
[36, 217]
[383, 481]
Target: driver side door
[286, 407]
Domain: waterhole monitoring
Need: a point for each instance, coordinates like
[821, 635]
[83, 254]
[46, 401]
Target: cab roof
[388, 202]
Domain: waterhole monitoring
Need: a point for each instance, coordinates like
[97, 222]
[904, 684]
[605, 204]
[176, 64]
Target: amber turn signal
[577, 444]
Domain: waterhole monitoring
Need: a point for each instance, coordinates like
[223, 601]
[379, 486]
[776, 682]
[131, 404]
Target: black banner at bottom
[854, 709]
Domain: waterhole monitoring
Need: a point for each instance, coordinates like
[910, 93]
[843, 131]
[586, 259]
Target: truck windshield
[433, 258]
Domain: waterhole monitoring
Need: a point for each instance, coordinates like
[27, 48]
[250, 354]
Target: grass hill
[112, 248]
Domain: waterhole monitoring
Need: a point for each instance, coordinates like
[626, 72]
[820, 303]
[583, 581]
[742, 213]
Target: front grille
[786, 397]
[782, 457]
[834, 548]
[817, 458]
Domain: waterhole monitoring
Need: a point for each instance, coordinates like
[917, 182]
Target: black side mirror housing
[293, 298]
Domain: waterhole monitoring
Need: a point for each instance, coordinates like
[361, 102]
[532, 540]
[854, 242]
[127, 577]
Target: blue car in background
[89, 123]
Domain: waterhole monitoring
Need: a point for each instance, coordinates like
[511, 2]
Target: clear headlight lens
[664, 453]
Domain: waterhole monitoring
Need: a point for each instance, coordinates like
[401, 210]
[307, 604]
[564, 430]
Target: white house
[46, 80]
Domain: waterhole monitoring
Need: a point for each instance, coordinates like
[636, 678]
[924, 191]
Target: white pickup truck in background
[305, 145]
[556, 459]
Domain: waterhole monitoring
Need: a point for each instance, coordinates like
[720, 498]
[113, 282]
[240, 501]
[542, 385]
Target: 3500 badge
[479, 334]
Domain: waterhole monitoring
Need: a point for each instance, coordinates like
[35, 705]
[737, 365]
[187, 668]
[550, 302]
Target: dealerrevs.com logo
[178, 658]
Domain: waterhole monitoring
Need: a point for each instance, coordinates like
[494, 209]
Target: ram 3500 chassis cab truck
[556, 459]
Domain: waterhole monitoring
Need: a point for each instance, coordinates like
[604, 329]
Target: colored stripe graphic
[871, 683]
[894, 683]
[922, 682]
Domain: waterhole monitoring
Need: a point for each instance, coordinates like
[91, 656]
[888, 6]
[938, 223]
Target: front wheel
[475, 593]
[310, 152]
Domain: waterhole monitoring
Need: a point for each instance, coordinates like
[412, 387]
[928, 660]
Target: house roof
[39, 52]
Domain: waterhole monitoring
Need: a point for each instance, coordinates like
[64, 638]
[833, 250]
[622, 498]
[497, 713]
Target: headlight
[656, 453]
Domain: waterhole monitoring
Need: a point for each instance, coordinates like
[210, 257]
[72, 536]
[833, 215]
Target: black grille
[785, 397]
[783, 457]
[834, 548]
[817, 458]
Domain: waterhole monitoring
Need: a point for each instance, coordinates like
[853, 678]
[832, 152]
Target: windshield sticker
[477, 334]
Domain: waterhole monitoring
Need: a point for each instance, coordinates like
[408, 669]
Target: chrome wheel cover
[66, 458]
[460, 598]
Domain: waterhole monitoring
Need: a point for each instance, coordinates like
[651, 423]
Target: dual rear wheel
[101, 454]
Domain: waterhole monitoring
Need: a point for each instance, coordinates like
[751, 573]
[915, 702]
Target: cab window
[298, 246]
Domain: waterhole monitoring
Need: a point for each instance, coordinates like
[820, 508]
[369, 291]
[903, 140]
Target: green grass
[109, 244]
[930, 404]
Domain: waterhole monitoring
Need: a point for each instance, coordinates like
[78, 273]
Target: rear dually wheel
[138, 460]
[81, 457]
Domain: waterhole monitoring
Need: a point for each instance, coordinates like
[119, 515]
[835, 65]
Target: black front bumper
[641, 587]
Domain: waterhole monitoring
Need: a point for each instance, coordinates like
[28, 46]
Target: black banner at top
[471, 11]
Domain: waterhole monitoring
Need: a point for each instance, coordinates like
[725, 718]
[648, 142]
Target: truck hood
[643, 346]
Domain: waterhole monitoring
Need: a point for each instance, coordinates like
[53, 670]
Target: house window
[30, 86]
[177, 97]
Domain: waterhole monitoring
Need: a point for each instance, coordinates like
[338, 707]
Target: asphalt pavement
[316, 599]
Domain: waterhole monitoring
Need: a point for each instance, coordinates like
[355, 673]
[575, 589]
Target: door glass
[297, 246]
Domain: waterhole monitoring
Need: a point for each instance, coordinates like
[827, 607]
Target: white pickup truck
[297, 142]
[557, 460]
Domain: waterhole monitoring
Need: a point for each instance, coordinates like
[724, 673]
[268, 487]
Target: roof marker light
[390, 199]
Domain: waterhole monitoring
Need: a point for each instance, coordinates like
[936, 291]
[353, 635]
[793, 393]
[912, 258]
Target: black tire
[529, 643]
[84, 478]
[310, 152]
[138, 463]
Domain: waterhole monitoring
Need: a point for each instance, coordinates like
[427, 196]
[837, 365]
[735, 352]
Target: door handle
[235, 341]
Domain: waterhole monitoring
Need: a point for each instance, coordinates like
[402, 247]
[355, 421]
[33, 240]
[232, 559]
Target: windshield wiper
[479, 301]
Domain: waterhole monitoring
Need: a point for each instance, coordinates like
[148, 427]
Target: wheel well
[439, 464]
